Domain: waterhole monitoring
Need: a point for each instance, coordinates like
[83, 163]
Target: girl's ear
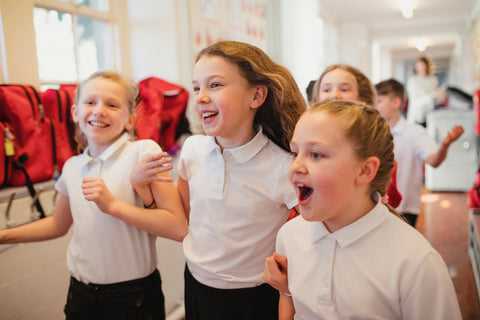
[259, 97]
[129, 125]
[368, 171]
[73, 110]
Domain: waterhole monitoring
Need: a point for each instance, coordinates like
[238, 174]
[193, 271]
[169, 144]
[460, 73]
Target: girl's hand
[275, 273]
[94, 189]
[148, 167]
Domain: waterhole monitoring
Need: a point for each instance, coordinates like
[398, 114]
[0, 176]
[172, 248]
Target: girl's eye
[215, 85]
[196, 89]
[89, 102]
[293, 154]
[112, 106]
[315, 155]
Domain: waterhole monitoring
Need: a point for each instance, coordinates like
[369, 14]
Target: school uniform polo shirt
[239, 199]
[378, 267]
[412, 146]
[104, 249]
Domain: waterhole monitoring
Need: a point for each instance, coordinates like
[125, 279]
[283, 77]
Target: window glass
[101, 5]
[55, 46]
[93, 46]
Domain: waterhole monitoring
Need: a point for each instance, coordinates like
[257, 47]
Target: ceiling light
[406, 7]
[421, 43]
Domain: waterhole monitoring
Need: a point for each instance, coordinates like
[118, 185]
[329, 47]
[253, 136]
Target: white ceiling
[441, 22]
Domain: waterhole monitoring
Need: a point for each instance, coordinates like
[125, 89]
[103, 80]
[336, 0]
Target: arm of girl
[167, 220]
[51, 227]
[286, 309]
[146, 171]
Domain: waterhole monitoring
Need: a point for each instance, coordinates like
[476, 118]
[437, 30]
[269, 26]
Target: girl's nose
[337, 94]
[99, 109]
[202, 97]
[297, 165]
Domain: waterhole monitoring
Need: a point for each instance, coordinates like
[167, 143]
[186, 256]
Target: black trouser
[136, 299]
[206, 303]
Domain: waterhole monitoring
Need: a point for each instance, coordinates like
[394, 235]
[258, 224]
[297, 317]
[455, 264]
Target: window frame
[76, 10]
[18, 54]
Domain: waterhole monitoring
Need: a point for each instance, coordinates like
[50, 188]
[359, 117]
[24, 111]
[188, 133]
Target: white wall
[301, 40]
[20, 56]
[153, 45]
[355, 47]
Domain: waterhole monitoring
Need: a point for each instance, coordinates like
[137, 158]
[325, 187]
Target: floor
[444, 222]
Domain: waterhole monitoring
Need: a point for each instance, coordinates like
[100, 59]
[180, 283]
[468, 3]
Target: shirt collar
[354, 231]
[85, 156]
[245, 152]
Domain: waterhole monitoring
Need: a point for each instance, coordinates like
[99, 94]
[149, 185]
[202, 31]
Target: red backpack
[168, 102]
[28, 140]
[57, 105]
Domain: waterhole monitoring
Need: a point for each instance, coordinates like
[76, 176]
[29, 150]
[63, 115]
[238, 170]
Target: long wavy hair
[284, 102]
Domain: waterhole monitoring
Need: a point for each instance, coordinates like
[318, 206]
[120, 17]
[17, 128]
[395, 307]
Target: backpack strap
[31, 189]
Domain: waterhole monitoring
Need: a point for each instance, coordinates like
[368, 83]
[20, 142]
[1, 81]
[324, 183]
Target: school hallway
[445, 223]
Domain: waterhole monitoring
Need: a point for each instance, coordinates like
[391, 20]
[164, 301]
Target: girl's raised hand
[94, 189]
[148, 167]
[275, 273]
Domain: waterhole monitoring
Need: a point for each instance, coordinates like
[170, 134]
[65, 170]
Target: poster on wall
[239, 20]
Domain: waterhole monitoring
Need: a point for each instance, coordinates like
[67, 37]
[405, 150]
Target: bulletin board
[239, 20]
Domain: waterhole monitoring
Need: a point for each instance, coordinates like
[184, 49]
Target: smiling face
[225, 102]
[339, 84]
[102, 113]
[323, 169]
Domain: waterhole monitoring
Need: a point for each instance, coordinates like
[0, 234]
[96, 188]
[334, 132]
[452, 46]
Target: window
[73, 39]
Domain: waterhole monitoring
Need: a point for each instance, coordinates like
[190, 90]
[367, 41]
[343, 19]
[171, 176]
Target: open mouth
[97, 124]
[304, 192]
[208, 115]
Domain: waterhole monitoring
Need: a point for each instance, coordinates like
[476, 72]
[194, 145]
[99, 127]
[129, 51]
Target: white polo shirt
[378, 267]
[104, 249]
[239, 199]
[412, 146]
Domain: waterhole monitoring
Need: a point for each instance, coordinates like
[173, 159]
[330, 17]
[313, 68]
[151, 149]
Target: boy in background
[412, 147]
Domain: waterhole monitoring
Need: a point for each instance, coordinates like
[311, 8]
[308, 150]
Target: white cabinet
[458, 171]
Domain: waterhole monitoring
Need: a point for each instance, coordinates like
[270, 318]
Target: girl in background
[345, 82]
[422, 89]
[111, 256]
[233, 180]
[350, 256]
